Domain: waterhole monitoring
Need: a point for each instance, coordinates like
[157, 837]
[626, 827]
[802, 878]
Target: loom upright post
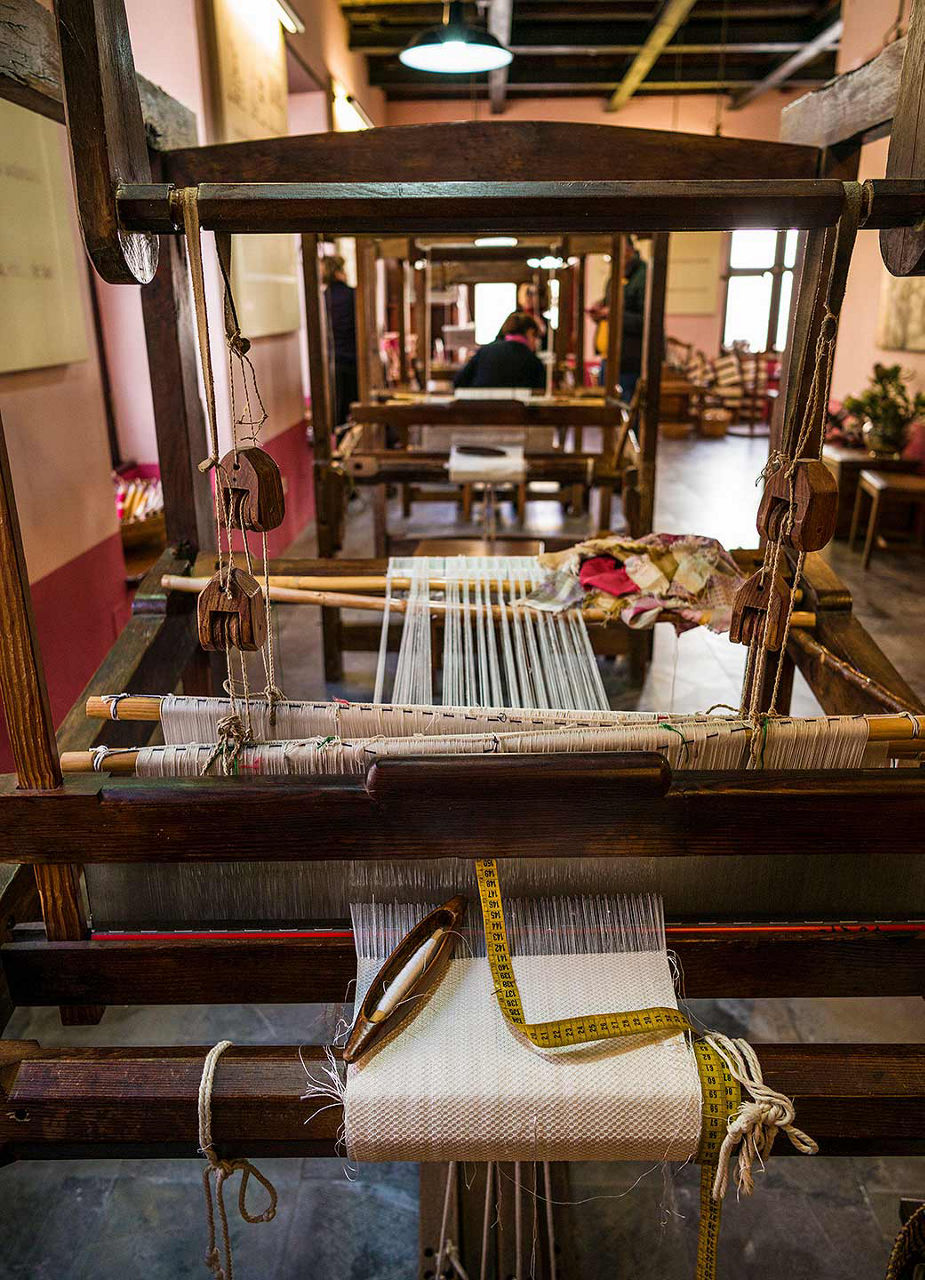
[328, 496]
[24, 694]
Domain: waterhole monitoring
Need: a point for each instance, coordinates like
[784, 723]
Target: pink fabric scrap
[603, 573]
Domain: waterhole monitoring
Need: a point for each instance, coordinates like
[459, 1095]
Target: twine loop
[112, 701]
[232, 738]
[755, 1126]
[99, 756]
[221, 1170]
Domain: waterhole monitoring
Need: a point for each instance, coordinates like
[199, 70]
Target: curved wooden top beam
[509, 149]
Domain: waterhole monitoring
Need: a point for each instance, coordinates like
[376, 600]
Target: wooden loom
[377, 451]
[854, 1099]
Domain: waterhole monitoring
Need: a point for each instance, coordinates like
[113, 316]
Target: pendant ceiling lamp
[455, 47]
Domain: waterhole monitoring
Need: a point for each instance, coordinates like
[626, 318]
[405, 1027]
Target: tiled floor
[819, 1219]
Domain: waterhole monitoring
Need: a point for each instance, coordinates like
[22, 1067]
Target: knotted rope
[755, 1126]
[221, 1171]
[232, 738]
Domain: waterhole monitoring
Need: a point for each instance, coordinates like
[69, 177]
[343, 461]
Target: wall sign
[41, 309]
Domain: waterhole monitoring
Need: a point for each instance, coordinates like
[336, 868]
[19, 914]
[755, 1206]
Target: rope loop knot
[221, 1170]
[755, 1126]
[232, 738]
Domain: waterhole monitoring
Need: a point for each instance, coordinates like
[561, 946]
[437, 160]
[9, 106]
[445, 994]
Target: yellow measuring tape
[719, 1090]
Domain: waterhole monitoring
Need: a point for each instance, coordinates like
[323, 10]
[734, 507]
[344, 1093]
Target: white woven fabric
[456, 1083]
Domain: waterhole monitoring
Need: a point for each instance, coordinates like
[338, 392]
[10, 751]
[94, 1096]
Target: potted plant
[887, 409]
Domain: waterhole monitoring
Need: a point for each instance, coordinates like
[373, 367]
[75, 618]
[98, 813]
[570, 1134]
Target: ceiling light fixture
[495, 242]
[288, 17]
[455, 47]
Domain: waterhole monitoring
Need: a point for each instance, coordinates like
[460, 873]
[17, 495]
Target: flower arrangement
[889, 409]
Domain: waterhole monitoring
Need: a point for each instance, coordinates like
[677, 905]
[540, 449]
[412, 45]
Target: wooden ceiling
[612, 48]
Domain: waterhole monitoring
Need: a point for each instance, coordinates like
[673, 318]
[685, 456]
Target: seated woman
[509, 361]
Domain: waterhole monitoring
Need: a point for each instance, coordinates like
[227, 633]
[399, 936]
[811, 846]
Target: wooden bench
[881, 486]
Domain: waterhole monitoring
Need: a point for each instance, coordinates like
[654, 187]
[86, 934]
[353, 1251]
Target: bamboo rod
[881, 728]
[122, 763]
[142, 707]
[377, 604]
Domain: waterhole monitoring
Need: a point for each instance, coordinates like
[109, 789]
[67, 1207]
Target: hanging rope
[236, 729]
[754, 1127]
[829, 293]
[220, 1171]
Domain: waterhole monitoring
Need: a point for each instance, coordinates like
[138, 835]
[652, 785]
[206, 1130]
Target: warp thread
[755, 1126]
[221, 1171]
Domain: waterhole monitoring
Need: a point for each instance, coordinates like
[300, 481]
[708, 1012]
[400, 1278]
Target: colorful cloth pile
[664, 577]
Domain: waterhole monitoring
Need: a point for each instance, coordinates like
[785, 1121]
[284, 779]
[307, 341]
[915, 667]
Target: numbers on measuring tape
[719, 1090]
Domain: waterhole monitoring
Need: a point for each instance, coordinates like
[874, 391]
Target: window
[493, 304]
[759, 288]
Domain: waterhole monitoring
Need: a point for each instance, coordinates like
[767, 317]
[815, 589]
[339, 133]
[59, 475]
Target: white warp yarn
[456, 1083]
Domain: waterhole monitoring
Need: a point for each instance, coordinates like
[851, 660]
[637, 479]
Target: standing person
[340, 301]
[509, 361]
[634, 304]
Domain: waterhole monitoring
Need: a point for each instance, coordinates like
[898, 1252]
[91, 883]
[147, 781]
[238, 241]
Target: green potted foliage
[887, 410]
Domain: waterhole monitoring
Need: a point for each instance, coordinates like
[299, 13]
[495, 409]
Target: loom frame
[858, 1099]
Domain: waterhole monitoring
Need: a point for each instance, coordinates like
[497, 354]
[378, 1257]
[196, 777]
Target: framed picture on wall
[41, 312]
[901, 322]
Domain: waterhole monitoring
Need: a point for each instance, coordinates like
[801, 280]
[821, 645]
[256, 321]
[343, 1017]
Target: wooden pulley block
[814, 504]
[252, 489]
[756, 600]
[235, 615]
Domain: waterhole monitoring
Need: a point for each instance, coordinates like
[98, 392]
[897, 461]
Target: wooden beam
[858, 104]
[500, 13]
[409, 805]
[179, 418]
[827, 38]
[853, 1098]
[23, 690]
[652, 359]
[511, 207]
[720, 962]
[30, 75]
[453, 152]
[670, 17]
[105, 134]
[903, 249]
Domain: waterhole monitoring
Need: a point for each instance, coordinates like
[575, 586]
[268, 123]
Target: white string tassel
[221, 1171]
[756, 1124]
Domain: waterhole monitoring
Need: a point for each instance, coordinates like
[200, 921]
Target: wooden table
[880, 487]
[846, 466]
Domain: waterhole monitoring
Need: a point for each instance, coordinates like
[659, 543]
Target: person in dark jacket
[340, 301]
[509, 361]
[634, 305]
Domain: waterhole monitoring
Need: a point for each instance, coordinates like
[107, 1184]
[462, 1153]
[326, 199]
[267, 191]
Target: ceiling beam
[566, 10]
[670, 17]
[827, 38]
[500, 17]
[581, 38]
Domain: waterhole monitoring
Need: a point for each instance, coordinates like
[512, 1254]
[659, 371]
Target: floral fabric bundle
[684, 579]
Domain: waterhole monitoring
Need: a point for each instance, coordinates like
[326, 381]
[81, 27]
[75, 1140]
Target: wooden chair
[881, 486]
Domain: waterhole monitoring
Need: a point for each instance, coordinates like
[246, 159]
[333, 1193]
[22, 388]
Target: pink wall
[324, 48]
[866, 24]
[857, 349]
[687, 114]
[55, 427]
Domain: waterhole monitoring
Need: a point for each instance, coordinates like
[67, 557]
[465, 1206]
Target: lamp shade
[455, 48]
